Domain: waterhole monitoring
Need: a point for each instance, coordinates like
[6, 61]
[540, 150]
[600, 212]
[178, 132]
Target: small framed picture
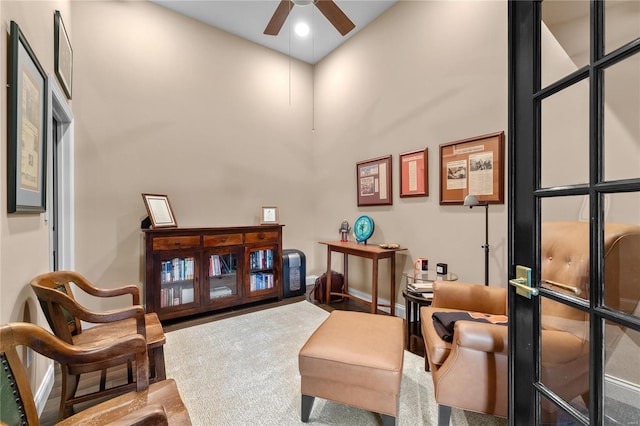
[414, 171]
[373, 182]
[63, 58]
[268, 215]
[159, 210]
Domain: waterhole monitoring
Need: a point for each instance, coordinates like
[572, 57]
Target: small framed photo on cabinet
[159, 210]
[268, 215]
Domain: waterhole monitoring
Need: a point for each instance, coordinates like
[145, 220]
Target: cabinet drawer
[222, 240]
[173, 243]
[261, 237]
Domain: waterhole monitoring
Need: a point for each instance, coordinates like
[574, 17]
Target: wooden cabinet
[194, 270]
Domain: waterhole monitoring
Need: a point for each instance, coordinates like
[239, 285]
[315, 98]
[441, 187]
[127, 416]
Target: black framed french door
[574, 157]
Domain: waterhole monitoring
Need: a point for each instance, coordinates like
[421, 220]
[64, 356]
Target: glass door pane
[222, 274]
[177, 281]
[261, 269]
[564, 38]
[621, 123]
[565, 136]
[622, 375]
[621, 24]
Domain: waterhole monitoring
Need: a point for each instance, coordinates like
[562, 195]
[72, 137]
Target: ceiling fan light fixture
[302, 2]
[302, 29]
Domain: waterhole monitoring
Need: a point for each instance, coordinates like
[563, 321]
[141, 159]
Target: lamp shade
[471, 200]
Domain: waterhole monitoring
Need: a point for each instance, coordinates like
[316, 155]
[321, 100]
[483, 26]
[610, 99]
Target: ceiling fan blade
[278, 18]
[335, 15]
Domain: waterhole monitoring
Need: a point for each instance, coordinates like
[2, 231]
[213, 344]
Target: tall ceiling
[248, 19]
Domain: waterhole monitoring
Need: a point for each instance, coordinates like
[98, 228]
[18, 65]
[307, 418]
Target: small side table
[413, 301]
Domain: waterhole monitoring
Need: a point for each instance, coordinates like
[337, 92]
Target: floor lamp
[471, 201]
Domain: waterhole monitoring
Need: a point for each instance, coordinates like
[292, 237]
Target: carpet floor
[244, 371]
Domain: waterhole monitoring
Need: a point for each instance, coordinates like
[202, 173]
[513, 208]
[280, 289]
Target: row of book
[218, 265]
[260, 281]
[178, 269]
[261, 259]
[173, 296]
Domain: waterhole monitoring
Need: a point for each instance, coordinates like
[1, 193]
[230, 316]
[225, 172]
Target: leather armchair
[470, 373]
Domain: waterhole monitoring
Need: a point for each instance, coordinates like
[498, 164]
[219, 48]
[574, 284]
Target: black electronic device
[294, 272]
[441, 268]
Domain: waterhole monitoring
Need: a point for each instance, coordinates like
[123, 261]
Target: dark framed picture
[63, 60]
[373, 180]
[473, 166]
[27, 147]
[414, 171]
[159, 211]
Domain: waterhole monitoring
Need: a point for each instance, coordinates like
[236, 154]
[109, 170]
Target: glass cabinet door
[261, 269]
[222, 274]
[177, 281]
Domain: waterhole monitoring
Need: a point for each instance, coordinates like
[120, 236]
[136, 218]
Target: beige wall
[24, 238]
[163, 104]
[412, 80]
[167, 105]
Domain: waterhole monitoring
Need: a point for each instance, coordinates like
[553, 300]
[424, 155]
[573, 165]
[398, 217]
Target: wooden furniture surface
[157, 404]
[225, 267]
[368, 251]
[65, 315]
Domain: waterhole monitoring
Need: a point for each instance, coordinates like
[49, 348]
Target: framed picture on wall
[27, 147]
[63, 55]
[473, 166]
[414, 172]
[373, 181]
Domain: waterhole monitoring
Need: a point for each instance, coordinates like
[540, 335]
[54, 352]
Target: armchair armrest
[469, 297]
[490, 338]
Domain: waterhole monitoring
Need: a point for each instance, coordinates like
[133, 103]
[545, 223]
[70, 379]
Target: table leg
[393, 285]
[328, 289]
[345, 268]
[408, 315]
[374, 287]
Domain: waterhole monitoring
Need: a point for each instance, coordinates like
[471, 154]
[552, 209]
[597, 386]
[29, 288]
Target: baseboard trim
[399, 311]
[622, 390]
[42, 395]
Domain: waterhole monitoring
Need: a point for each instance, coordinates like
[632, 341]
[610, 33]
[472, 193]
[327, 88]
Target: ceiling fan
[329, 9]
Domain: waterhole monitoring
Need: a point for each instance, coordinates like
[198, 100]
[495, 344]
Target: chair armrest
[483, 337]
[151, 415]
[83, 314]
[54, 348]
[469, 297]
[89, 288]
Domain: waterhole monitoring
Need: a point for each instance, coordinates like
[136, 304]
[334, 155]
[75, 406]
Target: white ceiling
[248, 19]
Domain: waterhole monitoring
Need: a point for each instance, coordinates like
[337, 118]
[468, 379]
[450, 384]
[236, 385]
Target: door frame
[61, 111]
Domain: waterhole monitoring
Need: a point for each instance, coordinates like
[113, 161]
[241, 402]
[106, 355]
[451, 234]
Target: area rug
[244, 371]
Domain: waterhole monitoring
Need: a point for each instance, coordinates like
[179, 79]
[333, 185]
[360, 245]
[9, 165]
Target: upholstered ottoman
[354, 358]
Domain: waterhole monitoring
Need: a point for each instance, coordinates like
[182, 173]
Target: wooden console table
[368, 251]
